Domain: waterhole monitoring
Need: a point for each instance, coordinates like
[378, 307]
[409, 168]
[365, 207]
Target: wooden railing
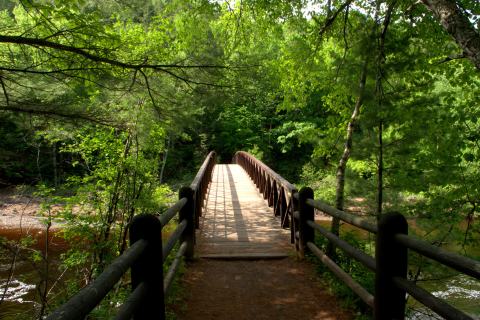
[200, 183]
[391, 249]
[275, 189]
[146, 256]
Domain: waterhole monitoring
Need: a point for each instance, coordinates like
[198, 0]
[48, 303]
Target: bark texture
[342, 164]
[458, 26]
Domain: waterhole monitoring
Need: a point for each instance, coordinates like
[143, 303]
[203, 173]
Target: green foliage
[356, 270]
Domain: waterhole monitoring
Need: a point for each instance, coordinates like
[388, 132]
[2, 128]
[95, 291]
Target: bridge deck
[237, 222]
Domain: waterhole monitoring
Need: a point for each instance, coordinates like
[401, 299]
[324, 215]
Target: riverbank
[20, 210]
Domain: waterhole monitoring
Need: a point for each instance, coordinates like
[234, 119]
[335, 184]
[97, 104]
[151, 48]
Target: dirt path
[256, 289]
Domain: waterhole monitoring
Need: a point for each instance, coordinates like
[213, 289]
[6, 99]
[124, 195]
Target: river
[21, 275]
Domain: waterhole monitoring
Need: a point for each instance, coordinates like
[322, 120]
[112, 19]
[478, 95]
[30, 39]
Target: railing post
[285, 223]
[266, 192]
[280, 202]
[188, 213]
[391, 261]
[196, 209]
[306, 233]
[149, 267]
[269, 193]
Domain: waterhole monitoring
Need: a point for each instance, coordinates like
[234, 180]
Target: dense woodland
[109, 106]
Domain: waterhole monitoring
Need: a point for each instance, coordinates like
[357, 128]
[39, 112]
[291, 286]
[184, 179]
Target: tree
[457, 23]
[75, 51]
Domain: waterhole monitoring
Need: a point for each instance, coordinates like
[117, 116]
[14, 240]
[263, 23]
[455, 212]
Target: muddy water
[20, 277]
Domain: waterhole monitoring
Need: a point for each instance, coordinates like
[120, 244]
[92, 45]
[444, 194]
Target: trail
[246, 267]
[256, 289]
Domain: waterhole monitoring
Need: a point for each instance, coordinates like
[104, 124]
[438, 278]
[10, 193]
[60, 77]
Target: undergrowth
[349, 300]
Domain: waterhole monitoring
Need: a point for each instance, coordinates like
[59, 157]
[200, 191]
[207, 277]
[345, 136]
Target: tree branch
[331, 19]
[452, 57]
[82, 52]
[47, 72]
[58, 112]
[456, 23]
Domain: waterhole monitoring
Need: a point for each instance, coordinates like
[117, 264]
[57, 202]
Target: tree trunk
[164, 160]
[457, 24]
[40, 179]
[44, 290]
[380, 170]
[381, 58]
[342, 165]
[54, 164]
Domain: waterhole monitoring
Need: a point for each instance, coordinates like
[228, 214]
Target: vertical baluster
[263, 183]
[266, 194]
[275, 199]
[283, 209]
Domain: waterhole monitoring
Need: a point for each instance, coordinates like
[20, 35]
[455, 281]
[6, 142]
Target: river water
[22, 273]
[460, 291]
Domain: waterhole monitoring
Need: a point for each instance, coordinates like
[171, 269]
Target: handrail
[146, 256]
[200, 183]
[90, 296]
[455, 261]
[342, 215]
[392, 244]
[281, 180]
[203, 171]
[390, 263]
[275, 189]
[366, 296]
[350, 250]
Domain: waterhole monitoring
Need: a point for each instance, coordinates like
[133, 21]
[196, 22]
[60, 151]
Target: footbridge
[246, 211]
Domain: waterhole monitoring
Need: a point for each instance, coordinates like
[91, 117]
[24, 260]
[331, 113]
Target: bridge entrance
[237, 222]
[247, 267]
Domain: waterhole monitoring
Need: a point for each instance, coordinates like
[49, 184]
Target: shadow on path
[240, 225]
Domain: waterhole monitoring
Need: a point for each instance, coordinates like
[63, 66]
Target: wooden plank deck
[237, 222]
